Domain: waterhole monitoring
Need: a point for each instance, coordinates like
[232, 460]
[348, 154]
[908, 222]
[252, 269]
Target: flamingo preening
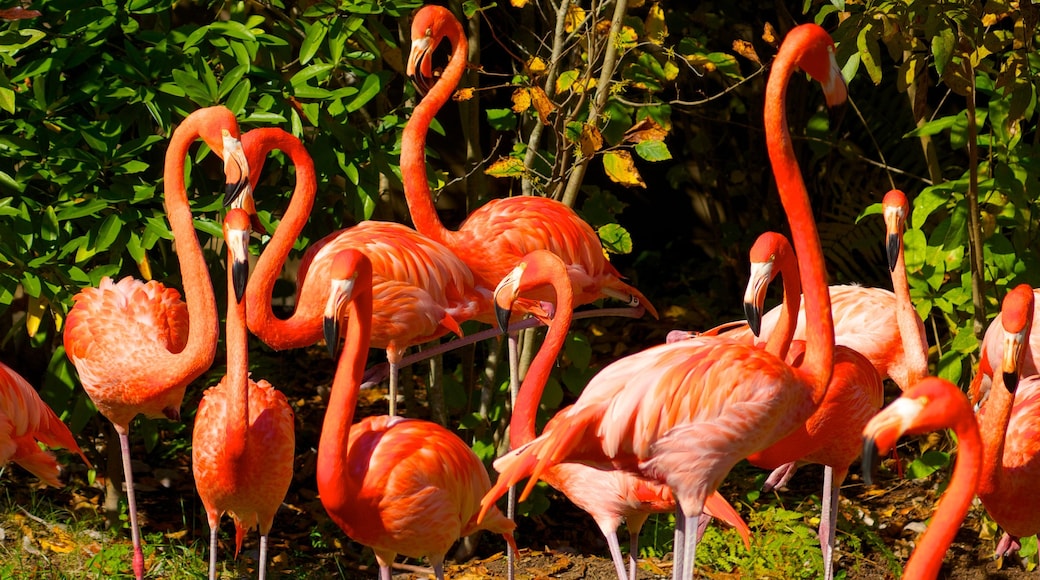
[1009, 422]
[686, 412]
[609, 496]
[400, 486]
[932, 404]
[26, 420]
[131, 341]
[421, 290]
[244, 437]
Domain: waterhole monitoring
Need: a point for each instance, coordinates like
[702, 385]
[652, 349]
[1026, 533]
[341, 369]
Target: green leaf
[929, 462]
[943, 45]
[615, 239]
[578, 350]
[371, 87]
[501, 119]
[653, 150]
[312, 40]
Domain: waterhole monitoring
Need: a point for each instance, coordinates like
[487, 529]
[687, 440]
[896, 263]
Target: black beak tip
[871, 457]
[502, 315]
[892, 249]
[1011, 382]
[239, 278]
[754, 318]
[331, 329]
[232, 192]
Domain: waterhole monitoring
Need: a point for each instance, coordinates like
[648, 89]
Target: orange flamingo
[992, 350]
[131, 341]
[832, 435]
[607, 495]
[421, 289]
[1010, 423]
[931, 405]
[684, 413]
[25, 420]
[243, 441]
[493, 239]
[401, 486]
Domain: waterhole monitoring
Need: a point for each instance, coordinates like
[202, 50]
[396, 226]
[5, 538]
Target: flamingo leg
[263, 556]
[635, 525]
[513, 344]
[779, 477]
[685, 544]
[393, 388]
[829, 519]
[131, 502]
[438, 570]
[615, 552]
[213, 529]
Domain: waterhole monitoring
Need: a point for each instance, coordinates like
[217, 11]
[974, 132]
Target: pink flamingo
[243, 441]
[932, 404]
[1010, 425]
[498, 234]
[607, 495]
[421, 290]
[832, 435]
[993, 351]
[131, 341]
[25, 420]
[684, 413]
[397, 485]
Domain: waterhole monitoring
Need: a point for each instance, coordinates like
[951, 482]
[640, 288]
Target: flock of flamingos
[656, 431]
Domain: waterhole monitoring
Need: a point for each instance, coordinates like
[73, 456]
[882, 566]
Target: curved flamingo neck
[203, 330]
[993, 425]
[915, 344]
[927, 558]
[237, 377]
[522, 422]
[413, 141]
[333, 473]
[819, 350]
[779, 342]
[275, 331]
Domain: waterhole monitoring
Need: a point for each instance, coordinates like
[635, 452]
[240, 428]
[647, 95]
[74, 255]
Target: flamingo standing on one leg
[131, 341]
[931, 405]
[832, 435]
[421, 290]
[25, 420]
[244, 437]
[607, 495]
[1010, 425]
[685, 413]
[498, 234]
[397, 485]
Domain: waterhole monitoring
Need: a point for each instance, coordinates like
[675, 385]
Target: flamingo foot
[1007, 546]
[779, 477]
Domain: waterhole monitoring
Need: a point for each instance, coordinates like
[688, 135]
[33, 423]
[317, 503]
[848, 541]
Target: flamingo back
[252, 488]
[131, 326]
[25, 420]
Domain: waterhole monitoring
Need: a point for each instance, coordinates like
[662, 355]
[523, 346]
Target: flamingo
[684, 413]
[397, 485]
[1010, 423]
[832, 435]
[243, 440]
[421, 289]
[25, 420]
[930, 405]
[131, 341]
[607, 495]
[992, 350]
[493, 239]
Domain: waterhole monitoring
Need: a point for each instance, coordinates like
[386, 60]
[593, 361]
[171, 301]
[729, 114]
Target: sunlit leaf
[521, 100]
[591, 139]
[542, 104]
[615, 239]
[506, 167]
[655, 27]
[651, 150]
[621, 169]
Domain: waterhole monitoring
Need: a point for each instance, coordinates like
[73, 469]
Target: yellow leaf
[621, 169]
[34, 314]
[769, 34]
[575, 16]
[655, 26]
[521, 100]
[518, 3]
[463, 94]
[746, 50]
[506, 167]
[591, 140]
[542, 104]
[535, 66]
[145, 267]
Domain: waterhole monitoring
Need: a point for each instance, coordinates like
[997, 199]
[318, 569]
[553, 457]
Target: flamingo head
[769, 250]
[431, 24]
[1016, 315]
[348, 266]
[895, 208]
[537, 268]
[218, 127]
[930, 405]
[814, 54]
[236, 236]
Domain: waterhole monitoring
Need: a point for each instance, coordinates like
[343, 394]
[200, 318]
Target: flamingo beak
[885, 428]
[755, 294]
[339, 297]
[893, 235]
[238, 248]
[236, 169]
[506, 294]
[1009, 364]
[419, 59]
